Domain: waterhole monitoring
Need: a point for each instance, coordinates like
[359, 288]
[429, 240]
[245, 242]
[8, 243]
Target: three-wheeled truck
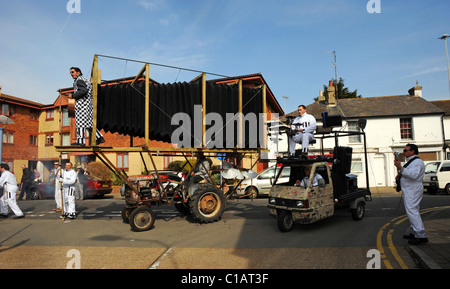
[318, 186]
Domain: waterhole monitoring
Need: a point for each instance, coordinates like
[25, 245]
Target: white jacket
[69, 179]
[412, 176]
[306, 122]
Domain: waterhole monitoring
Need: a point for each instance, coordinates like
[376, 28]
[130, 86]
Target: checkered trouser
[81, 131]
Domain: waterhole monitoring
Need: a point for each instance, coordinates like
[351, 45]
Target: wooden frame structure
[100, 150]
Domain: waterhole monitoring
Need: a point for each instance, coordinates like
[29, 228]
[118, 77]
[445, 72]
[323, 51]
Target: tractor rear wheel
[207, 204]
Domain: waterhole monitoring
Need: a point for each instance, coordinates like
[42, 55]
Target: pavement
[433, 255]
[436, 253]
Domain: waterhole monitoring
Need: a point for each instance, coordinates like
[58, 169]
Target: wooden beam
[264, 106]
[241, 128]
[147, 104]
[94, 80]
[203, 110]
[173, 151]
[139, 74]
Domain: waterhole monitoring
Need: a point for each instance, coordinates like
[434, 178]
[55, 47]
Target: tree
[341, 91]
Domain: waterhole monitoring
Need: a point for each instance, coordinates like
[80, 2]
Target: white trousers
[412, 206]
[303, 138]
[57, 195]
[69, 200]
[9, 199]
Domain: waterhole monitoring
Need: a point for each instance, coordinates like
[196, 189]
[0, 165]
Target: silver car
[263, 182]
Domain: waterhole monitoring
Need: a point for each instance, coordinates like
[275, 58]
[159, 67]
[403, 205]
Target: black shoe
[418, 241]
[3, 216]
[408, 237]
[78, 144]
[99, 141]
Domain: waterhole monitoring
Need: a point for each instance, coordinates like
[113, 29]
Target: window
[8, 109]
[406, 128]
[34, 114]
[122, 161]
[8, 137]
[353, 126]
[66, 139]
[357, 165]
[50, 114]
[167, 161]
[33, 140]
[66, 119]
[49, 139]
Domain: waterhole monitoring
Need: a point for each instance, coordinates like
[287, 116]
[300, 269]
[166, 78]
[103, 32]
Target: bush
[99, 170]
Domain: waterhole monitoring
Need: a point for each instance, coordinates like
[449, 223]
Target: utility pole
[285, 98]
[444, 37]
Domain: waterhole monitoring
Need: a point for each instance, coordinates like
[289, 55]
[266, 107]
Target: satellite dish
[232, 173]
[250, 174]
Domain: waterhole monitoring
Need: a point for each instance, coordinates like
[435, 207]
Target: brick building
[20, 139]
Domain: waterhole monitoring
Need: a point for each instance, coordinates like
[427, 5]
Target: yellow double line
[391, 226]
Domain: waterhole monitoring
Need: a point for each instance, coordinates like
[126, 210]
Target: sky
[287, 41]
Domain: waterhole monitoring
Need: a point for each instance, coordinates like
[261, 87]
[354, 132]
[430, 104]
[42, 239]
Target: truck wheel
[252, 192]
[142, 219]
[207, 204]
[447, 189]
[285, 221]
[34, 193]
[358, 213]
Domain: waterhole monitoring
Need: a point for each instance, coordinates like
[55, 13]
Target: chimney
[416, 91]
[331, 94]
[321, 96]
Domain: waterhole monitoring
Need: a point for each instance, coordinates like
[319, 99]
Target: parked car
[94, 187]
[437, 177]
[262, 184]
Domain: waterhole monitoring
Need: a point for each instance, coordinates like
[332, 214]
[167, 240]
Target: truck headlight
[272, 201]
[434, 179]
[299, 204]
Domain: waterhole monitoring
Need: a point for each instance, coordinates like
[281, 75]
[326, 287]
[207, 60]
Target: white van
[437, 177]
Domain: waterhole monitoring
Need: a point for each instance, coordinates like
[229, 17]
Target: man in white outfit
[69, 179]
[304, 126]
[411, 184]
[9, 183]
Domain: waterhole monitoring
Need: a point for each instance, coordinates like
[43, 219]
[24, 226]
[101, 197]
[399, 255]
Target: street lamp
[444, 37]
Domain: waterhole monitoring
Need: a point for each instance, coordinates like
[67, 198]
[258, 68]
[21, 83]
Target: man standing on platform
[84, 107]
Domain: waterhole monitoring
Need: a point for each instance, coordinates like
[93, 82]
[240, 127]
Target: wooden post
[264, 107]
[95, 81]
[240, 126]
[147, 104]
[203, 109]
